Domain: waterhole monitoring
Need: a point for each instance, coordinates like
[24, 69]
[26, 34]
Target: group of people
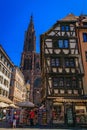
[25, 116]
[30, 116]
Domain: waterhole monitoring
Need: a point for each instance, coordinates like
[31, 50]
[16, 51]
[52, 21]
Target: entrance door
[69, 115]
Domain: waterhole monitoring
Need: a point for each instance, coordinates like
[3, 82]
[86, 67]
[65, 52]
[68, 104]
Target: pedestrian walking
[31, 117]
[14, 122]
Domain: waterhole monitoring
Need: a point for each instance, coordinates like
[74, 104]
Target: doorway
[69, 118]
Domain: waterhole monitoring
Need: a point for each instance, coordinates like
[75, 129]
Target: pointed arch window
[27, 64]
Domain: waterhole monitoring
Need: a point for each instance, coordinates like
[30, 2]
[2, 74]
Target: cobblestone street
[38, 129]
[4, 125]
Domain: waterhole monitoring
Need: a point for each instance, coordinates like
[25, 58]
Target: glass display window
[58, 114]
[81, 114]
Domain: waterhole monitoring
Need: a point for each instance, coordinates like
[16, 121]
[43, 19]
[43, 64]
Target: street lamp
[28, 90]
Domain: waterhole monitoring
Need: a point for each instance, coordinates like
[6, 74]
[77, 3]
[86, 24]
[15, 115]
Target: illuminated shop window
[81, 114]
[58, 114]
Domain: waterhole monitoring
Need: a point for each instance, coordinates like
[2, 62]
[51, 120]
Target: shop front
[69, 112]
[58, 114]
[81, 114]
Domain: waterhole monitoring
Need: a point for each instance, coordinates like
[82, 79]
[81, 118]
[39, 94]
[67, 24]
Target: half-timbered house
[63, 72]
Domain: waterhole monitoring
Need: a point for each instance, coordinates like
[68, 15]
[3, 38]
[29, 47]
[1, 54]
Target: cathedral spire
[30, 38]
[31, 19]
[31, 25]
[30, 60]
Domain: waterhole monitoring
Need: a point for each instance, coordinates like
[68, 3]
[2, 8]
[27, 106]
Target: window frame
[68, 62]
[84, 37]
[55, 62]
[63, 44]
[65, 28]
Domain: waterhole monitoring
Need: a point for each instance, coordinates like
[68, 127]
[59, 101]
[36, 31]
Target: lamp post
[28, 90]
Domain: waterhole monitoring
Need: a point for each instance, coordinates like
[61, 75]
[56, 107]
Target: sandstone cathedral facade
[30, 63]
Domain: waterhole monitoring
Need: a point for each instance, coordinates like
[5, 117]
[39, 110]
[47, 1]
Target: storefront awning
[71, 100]
[5, 99]
[3, 105]
[60, 99]
[57, 103]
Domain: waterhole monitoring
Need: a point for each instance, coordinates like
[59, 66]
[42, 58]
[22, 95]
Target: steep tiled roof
[70, 17]
[84, 20]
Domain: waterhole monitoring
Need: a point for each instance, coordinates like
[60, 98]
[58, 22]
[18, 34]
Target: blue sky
[15, 17]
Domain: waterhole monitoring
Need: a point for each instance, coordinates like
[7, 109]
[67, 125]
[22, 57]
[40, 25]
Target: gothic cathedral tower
[30, 61]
